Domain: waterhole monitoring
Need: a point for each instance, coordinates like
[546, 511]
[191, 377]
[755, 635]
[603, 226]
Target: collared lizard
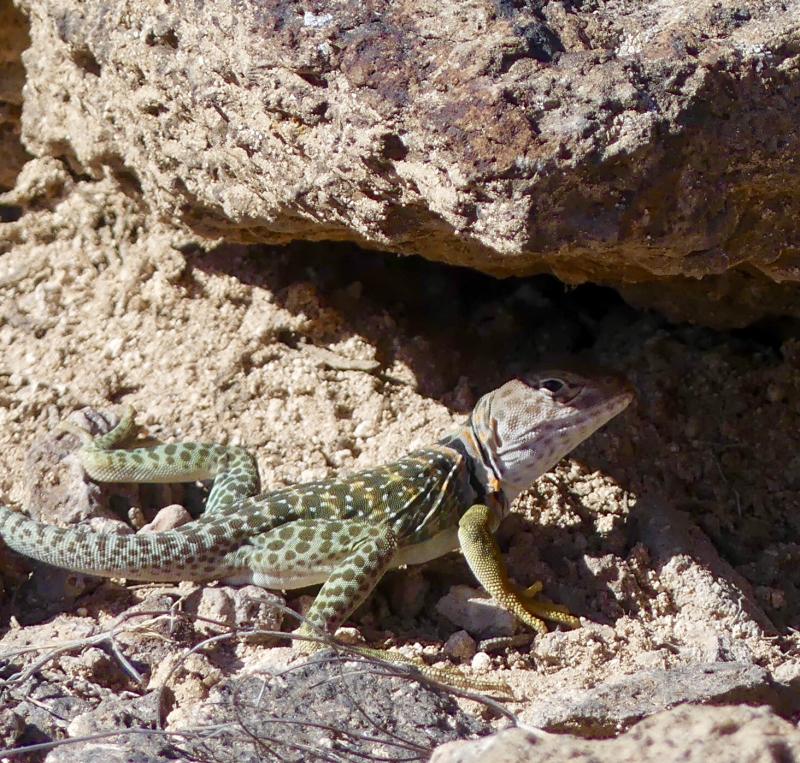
[343, 532]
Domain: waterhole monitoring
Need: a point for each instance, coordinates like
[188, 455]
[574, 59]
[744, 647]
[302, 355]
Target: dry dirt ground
[674, 533]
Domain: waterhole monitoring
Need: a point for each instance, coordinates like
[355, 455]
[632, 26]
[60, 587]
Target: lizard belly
[440, 544]
[281, 580]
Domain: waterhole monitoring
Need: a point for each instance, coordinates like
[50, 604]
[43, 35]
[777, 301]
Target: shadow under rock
[443, 322]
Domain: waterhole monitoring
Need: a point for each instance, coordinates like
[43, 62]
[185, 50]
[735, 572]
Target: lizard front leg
[348, 554]
[483, 556]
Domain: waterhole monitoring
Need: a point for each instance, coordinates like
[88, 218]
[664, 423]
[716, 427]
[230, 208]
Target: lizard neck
[482, 478]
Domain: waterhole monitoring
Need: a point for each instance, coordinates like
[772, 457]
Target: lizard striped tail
[195, 551]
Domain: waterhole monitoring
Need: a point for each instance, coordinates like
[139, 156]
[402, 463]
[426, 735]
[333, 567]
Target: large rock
[640, 145]
[13, 40]
[686, 734]
[605, 710]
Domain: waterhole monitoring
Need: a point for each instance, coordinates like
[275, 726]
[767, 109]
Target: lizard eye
[553, 385]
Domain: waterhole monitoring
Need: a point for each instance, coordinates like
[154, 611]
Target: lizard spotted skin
[342, 532]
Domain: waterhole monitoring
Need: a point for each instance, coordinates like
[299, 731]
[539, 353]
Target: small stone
[249, 607]
[136, 517]
[341, 457]
[254, 607]
[788, 673]
[476, 613]
[350, 636]
[168, 518]
[364, 429]
[215, 604]
[189, 677]
[302, 604]
[460, 646]
[113, 347]
[11, 728]
[91, 664]
[481, 662]
[775, 393]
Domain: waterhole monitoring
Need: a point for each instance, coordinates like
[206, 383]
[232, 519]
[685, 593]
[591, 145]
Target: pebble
[481, 662]
[168, 518]
[477, 614]
[460, 646]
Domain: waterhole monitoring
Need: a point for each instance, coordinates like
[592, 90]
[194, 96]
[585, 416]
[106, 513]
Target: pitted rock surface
[652, 147]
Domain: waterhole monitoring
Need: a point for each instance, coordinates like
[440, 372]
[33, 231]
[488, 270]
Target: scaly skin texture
[343, 532]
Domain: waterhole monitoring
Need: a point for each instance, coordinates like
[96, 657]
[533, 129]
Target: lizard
[345, 532]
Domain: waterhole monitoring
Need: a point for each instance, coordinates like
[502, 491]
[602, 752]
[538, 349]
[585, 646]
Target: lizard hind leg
[368, 553]
[350, 556]
[353, 577]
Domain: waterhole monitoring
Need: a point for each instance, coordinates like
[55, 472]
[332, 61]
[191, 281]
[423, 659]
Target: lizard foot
[541, 608]
[304, 646]
[445, 676]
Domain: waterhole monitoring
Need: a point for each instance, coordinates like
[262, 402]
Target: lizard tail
[193, 552]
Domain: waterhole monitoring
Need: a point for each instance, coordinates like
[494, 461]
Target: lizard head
[526, 426]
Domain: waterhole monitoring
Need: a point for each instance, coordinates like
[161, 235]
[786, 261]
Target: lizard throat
[483, 478]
